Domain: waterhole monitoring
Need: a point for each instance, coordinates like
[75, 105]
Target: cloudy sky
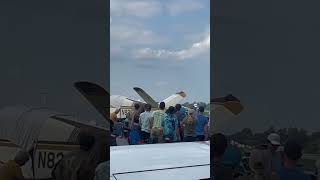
[161, 46]
[267, 54]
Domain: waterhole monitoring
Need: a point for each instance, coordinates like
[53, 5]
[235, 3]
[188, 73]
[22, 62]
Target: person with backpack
[170, 126]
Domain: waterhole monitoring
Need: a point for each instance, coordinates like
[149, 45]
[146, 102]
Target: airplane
[179, 160]
[50, 133]
[126, 104]
[53, 134]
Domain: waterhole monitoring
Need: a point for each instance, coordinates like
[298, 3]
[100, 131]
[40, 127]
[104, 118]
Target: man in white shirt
[145, 123]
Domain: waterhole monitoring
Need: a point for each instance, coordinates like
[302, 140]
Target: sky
[162, 46]
[267, 54]
[48, 46]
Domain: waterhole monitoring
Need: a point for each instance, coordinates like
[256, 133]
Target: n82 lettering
[49, 159]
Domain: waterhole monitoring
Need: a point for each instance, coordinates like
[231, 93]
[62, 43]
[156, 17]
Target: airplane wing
[136, 101]
[148, 99]
[171, 161]
[77, 124]
[175, 99]
[96, 95]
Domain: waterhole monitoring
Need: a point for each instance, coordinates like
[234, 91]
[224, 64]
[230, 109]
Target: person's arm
[140, 120]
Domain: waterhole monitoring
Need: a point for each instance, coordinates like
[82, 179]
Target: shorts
[156, 135]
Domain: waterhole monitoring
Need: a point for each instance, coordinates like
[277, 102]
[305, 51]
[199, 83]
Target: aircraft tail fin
[175, 99]
[148, 99]
[96, 95]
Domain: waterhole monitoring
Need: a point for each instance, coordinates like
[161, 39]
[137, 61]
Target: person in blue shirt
[170, 125]
[202, 125]
[290, 171]
[232, 156]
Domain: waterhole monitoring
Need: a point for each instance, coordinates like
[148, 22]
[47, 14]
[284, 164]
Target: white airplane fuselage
[126, 104]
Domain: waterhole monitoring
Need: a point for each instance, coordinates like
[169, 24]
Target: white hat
[274, 138]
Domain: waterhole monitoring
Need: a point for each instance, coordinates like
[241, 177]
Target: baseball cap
[274, 139]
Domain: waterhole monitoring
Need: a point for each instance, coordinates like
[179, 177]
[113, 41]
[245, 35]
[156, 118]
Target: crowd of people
[268, 161]
[165, 125]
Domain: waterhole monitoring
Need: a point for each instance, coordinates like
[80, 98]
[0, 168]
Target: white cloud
[138, 8]
[181, 6]
[196, 49]
[129, 34]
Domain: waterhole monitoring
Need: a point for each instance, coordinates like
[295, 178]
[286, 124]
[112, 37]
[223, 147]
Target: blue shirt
[232, 156]
[170, 125]
[180, 115]
[292, 174]
[202, 121]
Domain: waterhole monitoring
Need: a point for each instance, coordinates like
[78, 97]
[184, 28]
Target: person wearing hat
[273, 145]
[292, 153]
[265, 160]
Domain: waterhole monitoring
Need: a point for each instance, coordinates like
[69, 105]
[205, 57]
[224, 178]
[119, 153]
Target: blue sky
[162, 46]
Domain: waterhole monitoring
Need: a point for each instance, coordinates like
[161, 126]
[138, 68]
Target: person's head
[292, 152]
[136, 106]
[220, 143]
[178, 107]
[201, 109]
[273, 141]
[162, 106]
[147, 107]
[191, 117]
[86, 141]
[22, 158]
[171, 110]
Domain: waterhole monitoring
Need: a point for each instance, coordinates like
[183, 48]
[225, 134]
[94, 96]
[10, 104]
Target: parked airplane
[126, 104]
[50, 133]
